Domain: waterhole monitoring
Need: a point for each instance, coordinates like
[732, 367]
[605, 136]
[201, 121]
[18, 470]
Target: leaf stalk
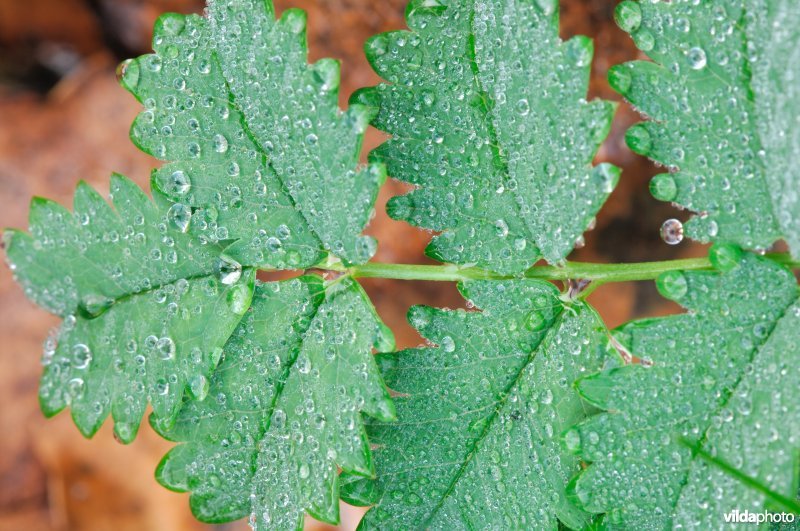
[597, 273]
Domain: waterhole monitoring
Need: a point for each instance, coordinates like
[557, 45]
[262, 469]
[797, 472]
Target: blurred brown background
[63, 118]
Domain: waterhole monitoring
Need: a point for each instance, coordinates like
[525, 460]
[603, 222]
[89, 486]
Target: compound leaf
[283, 409]
[723, 96]
[478, 444]
[146, 306]
[489, 119]
[254, 136]
[722, 377]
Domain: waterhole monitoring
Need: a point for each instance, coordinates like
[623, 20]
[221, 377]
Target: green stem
[598, 273]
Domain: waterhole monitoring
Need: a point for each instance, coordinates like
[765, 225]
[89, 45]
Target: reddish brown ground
[64, 118]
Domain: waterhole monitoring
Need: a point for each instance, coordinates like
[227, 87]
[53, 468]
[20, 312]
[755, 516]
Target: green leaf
[772, 498]
[723, 97]
[146, 307]
[254, 136]
[478, 444]
[283, 409]
[489, 119]
[723, 377]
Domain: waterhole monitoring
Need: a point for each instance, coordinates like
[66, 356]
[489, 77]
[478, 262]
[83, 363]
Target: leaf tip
[620, 79]
[672, 285]
[628, 16]
[639, 139]
[725, 256]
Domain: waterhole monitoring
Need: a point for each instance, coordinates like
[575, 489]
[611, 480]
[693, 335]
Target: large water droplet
[198, 386]
[672, 285]
[220, 143]
[672, 231]
[697, 58]
[448, 345]
[81, 356]
[180, 215]
[178, 183]
[165, 348]
[628, 16]
[229, 270]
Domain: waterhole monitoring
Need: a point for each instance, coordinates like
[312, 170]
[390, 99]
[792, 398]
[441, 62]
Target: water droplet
[572, 440]
[663, 187]
[697, 58]
[75, 388]
[547, 397]
[644, 40]
[448, 345]
[273, 244]
[153, 63]
[295, 20]
[304, 471]
[229, 270]
[165, 348]
[198, 386]
[725, 257]
[178, 183]
[639, 140]
[548, 7]
[94, 305]
[127, 73]
[326, 71]
[535, 321]
[620, 78]
[124, 432]
[278, 419]
[81, 356]
[501, 228]
[378, 45]
[239, 298]
[523, 107]
[180, 215]
[220, 143]
[303, 364]
[672, 231]
[672, 285]
[628, 16]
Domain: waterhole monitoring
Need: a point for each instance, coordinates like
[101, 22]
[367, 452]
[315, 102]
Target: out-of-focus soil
[64, 118]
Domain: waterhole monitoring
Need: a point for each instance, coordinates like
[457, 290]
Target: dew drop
[448, 345]
[81, 356]
[672, 285]
[180, 215]
[628, 16]
[75, 388]
[278, 419]
[229, 271]
[165, 348]
[179, 183]
[198, 386]
[535, 320]
[697, 58]
[663, 187]
[220, 143]
[672, 231]
[239, 299]
[501, 228]
[304, 471]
